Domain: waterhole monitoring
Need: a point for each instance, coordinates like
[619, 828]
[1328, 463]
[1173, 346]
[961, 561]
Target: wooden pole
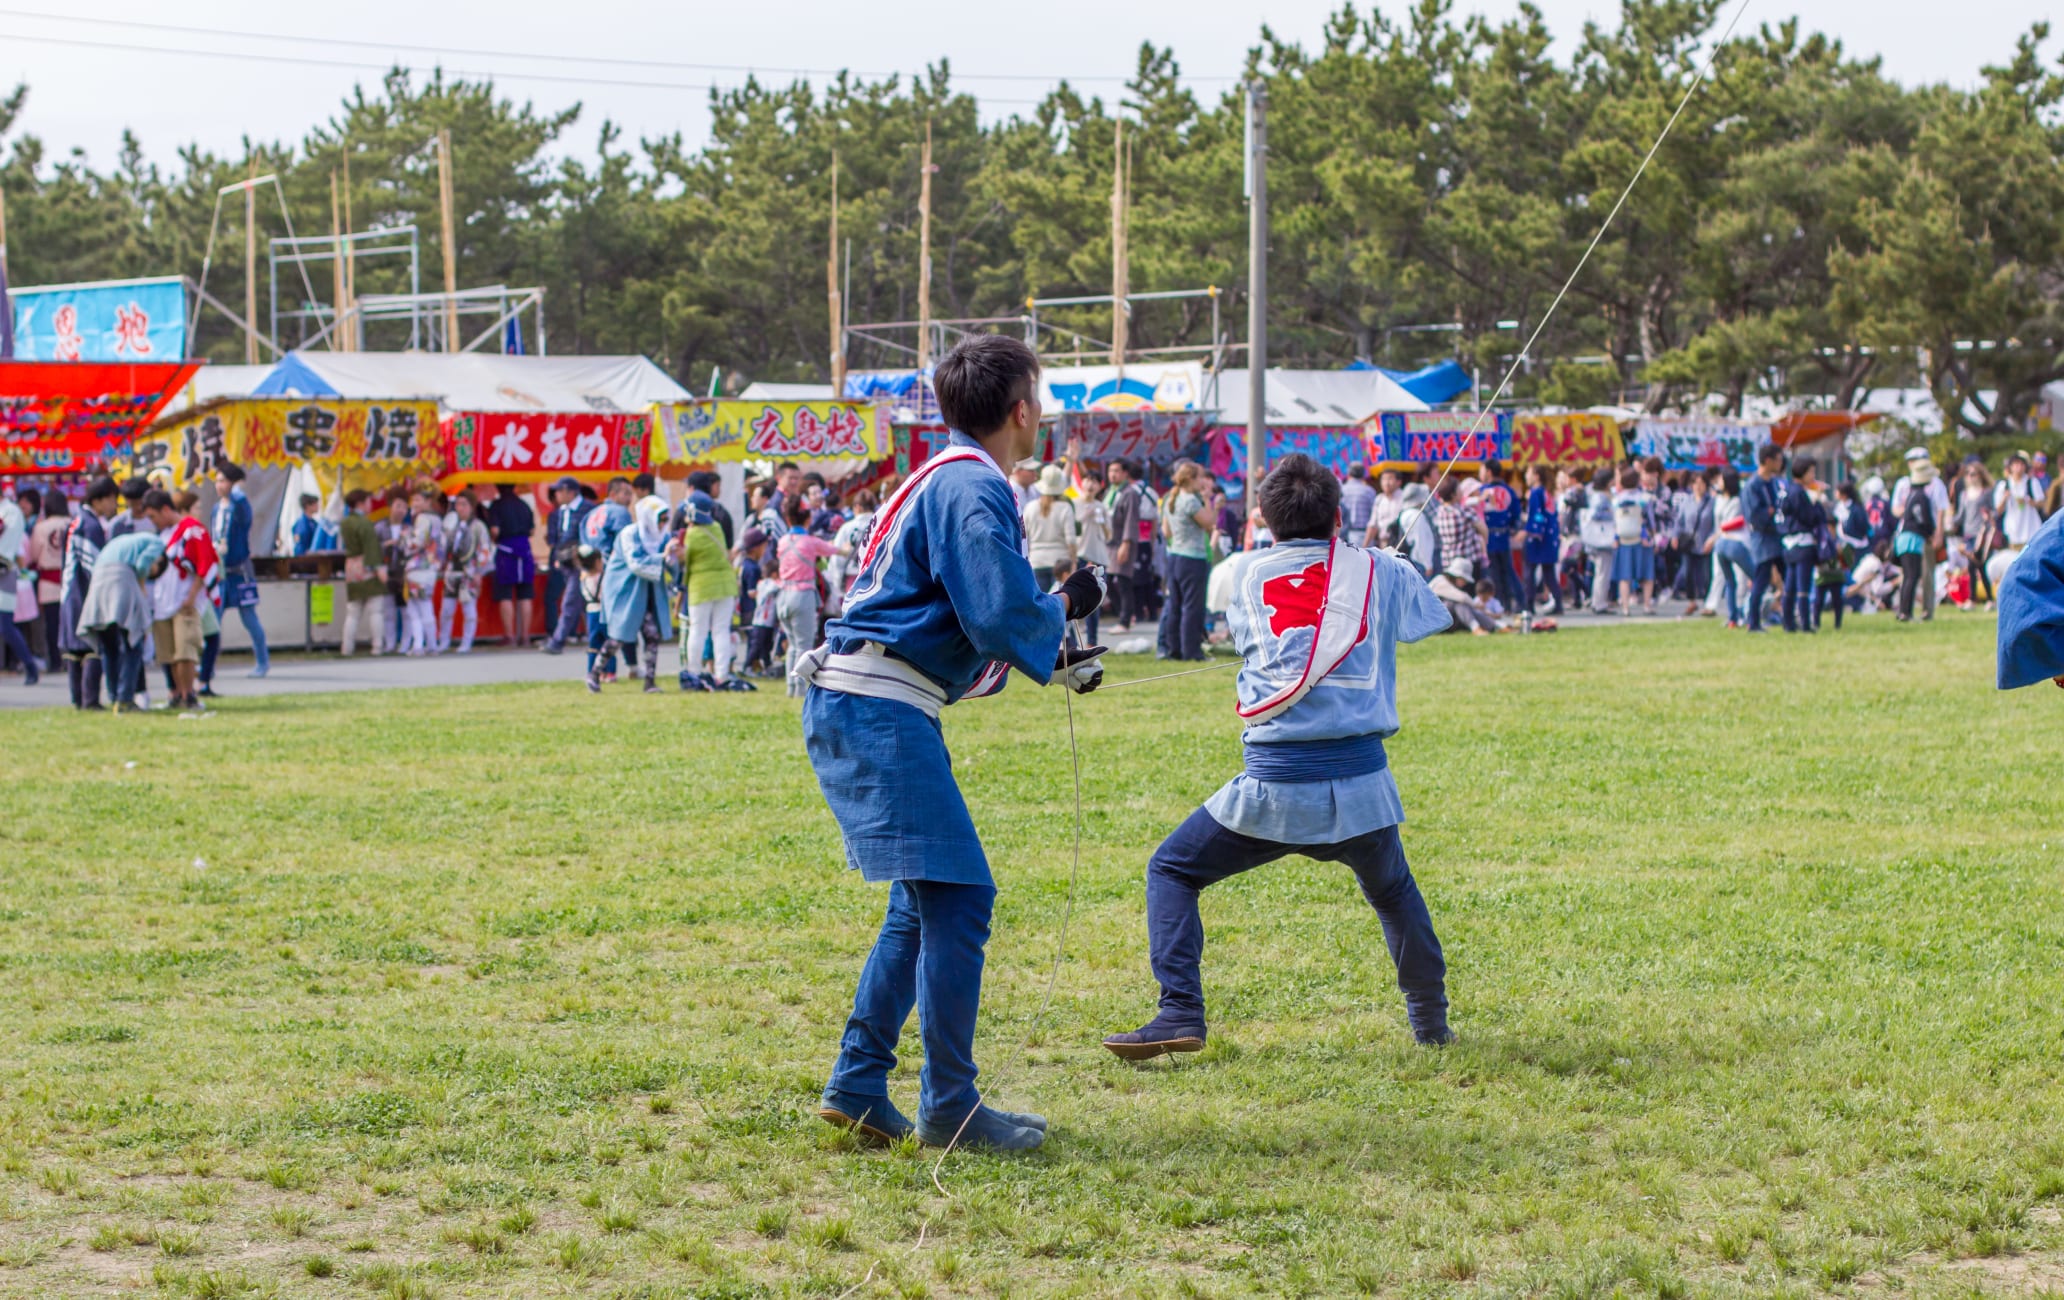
[251, 266]
[924, 255]
[350, 261]
[837, 300]
[1121, 314]
[451, 251]
[336, 267]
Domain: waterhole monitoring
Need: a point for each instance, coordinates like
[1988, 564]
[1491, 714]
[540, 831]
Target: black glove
[1081, 670]
[1084, 591]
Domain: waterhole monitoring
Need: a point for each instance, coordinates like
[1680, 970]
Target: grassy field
[1754, 950]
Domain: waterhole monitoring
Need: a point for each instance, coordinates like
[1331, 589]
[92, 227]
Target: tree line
[1809, 228]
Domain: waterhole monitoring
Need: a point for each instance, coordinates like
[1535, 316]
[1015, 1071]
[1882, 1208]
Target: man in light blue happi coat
[943, 608]
[1318, 623]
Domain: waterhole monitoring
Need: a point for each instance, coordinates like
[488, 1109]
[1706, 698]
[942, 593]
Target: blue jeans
[1760, 572]
[1201, 853]
[1731, 557]
[123, 664]
[232, 592]
[928, 956]
[1182, 616]
[571, 605]
[1798, 591]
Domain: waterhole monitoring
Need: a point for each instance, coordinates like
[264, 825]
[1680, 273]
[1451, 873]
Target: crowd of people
[627, 569]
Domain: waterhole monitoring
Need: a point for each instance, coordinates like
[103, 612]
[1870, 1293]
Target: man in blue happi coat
[943, 608]
[2031, 611]
[1317, 623]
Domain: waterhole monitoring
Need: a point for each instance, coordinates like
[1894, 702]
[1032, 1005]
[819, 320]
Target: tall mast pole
[837, 300]
[1257, 287]
[924, 256]
[251, 264]
[451, 249]
[1121, 252]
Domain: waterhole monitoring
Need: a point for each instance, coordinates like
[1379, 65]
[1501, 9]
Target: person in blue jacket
[2031, 611]
[1317, 624]
[1760, 499]
[634, 603]
[944, 607]
[1542, 548]
[239, 577]
[570, 508]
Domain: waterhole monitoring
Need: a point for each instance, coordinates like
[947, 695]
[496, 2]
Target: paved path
[294, 673]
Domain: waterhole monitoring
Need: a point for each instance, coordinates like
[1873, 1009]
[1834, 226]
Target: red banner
[529, 447]
[59, 416]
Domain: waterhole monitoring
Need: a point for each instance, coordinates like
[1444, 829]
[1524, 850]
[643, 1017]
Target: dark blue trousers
[1201, 853]
[1798, 591]
[928, 956]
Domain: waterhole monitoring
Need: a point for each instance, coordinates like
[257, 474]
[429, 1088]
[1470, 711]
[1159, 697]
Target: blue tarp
[293, 377]
[1443, 381]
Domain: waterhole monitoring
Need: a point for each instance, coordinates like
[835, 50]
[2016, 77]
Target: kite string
[1697, 80]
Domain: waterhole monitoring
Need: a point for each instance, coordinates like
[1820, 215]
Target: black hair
[1802, 466]
[231, 471]
[1602, 480]
[786, 464]
[1447, 489]
[796, 511]
[157, 499]
[1846, 491]
[310, 499]
[355, 498]
[979, 381]
[1768, 452]
[621, 479]
[55, 506]
[703, 480]
[643, 484]
[134, 489]
[103, 488]
[1630, 477]
[1497, 470]
[1300, 498]
[1730, 481]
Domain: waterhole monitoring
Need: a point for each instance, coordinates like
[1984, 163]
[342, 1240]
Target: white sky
[81, 97]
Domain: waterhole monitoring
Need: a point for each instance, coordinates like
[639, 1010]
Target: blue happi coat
[1357, 699]
[632, 578]
[945, 588]
[2031, 610]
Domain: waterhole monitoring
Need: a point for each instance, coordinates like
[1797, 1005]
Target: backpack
[1918, 517]
[1598, 529]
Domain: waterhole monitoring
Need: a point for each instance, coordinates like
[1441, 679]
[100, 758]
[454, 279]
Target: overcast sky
[83, 93]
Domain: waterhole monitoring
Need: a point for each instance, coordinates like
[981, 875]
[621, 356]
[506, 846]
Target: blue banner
[115, 320]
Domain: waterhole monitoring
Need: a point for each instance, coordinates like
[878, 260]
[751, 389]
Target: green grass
[1754, 950]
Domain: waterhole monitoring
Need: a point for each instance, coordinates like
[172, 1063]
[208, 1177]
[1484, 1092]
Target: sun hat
[1053, 481]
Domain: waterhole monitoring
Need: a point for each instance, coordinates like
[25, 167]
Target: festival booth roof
[1812, 426]
[474, 381]
[761, 392]
[58, 417]
[1305, 399]
[1443, 381]
[213, 383]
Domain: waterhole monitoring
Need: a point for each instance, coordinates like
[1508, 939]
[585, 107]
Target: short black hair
[157, 499]
[1802, 466]
[230, 470]
[310, 499]
[644, 483]
[134, 489]
[1300, 498]
[979, 381]
[703, 480]
[355, 498]
[1768, 452]
[103, 488]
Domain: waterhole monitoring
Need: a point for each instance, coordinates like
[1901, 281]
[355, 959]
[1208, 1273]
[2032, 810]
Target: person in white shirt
[2017, 506]
[1384, 511]
[1051, 526]
[1025, 481]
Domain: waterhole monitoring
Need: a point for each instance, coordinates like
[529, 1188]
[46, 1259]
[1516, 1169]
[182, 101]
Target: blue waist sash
[1316, 760]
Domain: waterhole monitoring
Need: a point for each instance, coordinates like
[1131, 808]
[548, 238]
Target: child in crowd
[1487, 599]
[590, 561]
[1317, 623]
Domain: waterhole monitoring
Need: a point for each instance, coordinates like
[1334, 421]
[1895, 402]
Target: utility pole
[1257, 286]
[251, 264]
[831, 287]
[924, 256]
[1121, 252]
[351, 263]
[451, 251]
[336, 267]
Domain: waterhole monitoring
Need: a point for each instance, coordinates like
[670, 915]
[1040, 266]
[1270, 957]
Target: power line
[605, 60]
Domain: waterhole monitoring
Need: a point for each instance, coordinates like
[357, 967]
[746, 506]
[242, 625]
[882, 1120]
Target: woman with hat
[1920, 504]
[1052, 528]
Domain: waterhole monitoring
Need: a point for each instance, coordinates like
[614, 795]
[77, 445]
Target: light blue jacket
[1359, 698]
[631, 579]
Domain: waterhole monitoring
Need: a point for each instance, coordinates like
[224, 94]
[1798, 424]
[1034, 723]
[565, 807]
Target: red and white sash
[1343, 624]
[888, 527]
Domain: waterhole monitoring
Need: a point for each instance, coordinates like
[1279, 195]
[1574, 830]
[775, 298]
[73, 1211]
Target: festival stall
[1322, 413]
[1579, 441]
[837, 439]
[65, 417]
[1411, 440]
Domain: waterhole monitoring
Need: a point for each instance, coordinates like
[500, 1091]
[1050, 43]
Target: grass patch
[1752, 946]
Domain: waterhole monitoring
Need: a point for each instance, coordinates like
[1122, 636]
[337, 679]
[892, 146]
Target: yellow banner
[693, 433]
[393, 438]
[1580, 441]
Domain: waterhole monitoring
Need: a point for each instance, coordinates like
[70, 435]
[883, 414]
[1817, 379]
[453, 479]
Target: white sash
[1343, 623]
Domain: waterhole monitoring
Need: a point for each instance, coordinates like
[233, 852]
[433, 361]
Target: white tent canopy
[471, 381]
[1311, 397]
